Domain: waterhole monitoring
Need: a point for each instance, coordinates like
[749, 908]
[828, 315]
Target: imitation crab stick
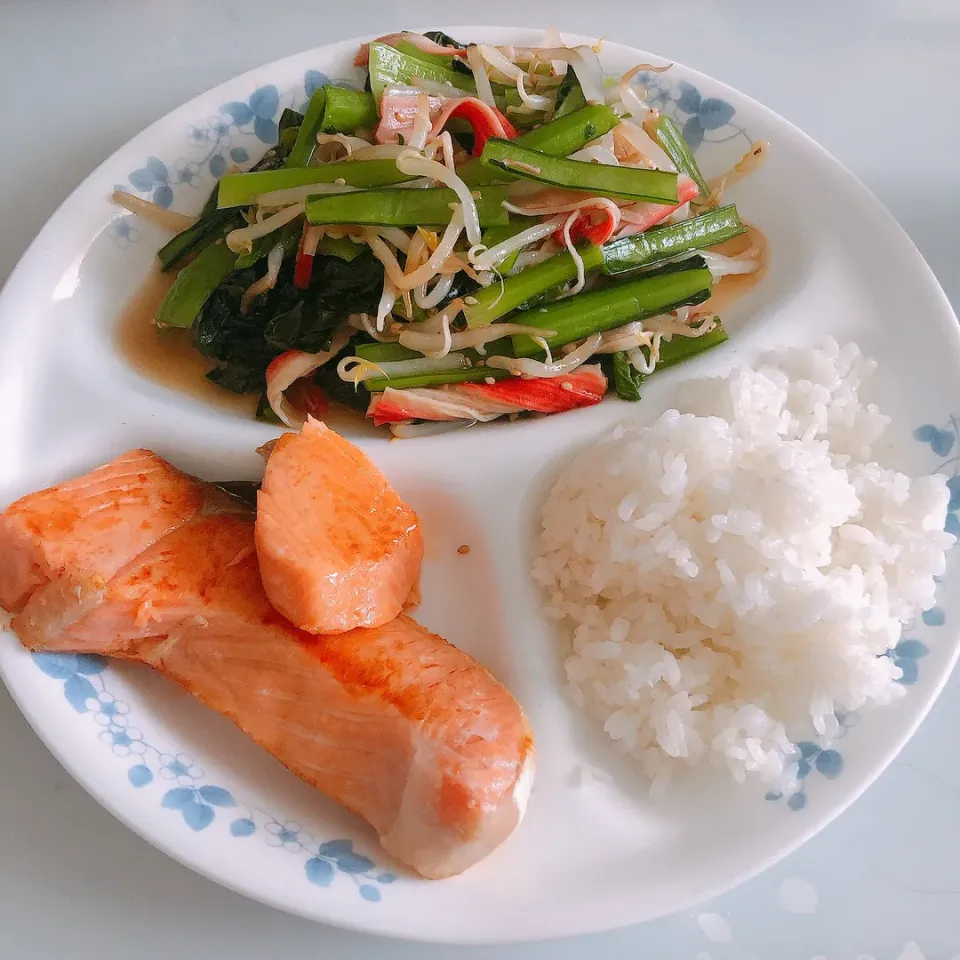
[59, 547]
[338, 548]
[642, 216]
[582, 387]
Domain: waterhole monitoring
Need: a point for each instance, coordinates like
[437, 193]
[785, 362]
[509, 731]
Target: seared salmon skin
[338, 548]
[393, 722]
[59, 547]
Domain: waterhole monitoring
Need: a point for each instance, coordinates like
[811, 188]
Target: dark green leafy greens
[243, 490]
[626, 378]
[327, 378]
[445, 40]
[285, 318]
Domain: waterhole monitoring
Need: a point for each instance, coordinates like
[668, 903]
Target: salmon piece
[393, 722]
[59, 547]
[338, 548]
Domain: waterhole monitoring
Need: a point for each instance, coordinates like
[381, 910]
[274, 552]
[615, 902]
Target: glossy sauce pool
[731, 288]
[168, 357]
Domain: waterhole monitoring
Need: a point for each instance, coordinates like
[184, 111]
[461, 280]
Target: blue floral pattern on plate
[236, 136]
[826, 760]
[702, 119]
[197, 802]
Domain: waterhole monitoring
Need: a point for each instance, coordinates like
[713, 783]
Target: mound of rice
[728, 578]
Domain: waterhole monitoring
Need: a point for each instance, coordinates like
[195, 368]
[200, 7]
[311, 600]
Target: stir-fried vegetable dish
[482, 232]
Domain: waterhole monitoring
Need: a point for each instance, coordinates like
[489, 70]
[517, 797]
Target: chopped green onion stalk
[385, 352]
[348, 110]
[679, 349]
[243, 189]
[557, 138]
[473, 375]
[632, 183]
[391, 352]
[660, 244]
[576, 318]
[497, 235]
[307, 134]
[664, 130]
[194, 284]
[404, 208]
[392, 67]
[498, 299]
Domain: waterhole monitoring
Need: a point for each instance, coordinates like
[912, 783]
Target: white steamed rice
[727, 578]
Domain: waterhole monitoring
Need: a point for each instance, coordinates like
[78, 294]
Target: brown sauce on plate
[730, 289]
[168, 356]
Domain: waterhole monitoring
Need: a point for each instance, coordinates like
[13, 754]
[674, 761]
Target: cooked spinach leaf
[626, 378]
[285, 318]
[444, 39]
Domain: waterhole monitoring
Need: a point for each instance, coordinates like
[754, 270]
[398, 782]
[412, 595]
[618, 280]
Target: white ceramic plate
[586, 858]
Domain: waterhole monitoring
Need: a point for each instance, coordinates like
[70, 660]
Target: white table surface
[875, 82]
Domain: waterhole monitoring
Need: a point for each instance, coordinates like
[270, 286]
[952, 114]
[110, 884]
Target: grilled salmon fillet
[338, 548]
[393, 722]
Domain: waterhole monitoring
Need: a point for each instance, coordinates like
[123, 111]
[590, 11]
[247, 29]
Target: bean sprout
[532, 101]
[671, 327]
[584, 61]
[169, 219]
[575, 254]
[423, 274]
[640, 363]
[266, 282]
[348, 143]
[597, 154]
[421, 123]
[241, 240]
[281, 198]
[552, 368]
[430, 343]
[487, 258]
[480, 78]
[751, 161]
[361, 321]
[427, 301]
[429, 428]
[635, 104]
[412, 163]
[721, 266]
